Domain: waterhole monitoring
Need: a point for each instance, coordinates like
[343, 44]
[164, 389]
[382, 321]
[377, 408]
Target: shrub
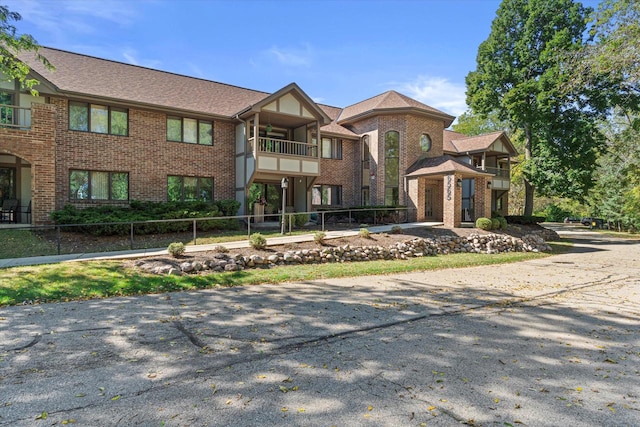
[220, 249]
[484, 223]
[257, 241]
[176, 249]
[503, 223]
[300, 220]
[524, 220]
[396, 229]
[319, 237]
[495, 224]
[364, 233]
[228, 207]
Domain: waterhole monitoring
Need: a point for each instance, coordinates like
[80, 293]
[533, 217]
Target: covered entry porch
[446, 190]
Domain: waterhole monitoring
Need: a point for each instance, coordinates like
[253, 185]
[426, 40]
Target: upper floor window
[331, 148]
[98, 118]
[189, 130]
[97, 185]
[425, 142]
[189, 188]
[391, 168]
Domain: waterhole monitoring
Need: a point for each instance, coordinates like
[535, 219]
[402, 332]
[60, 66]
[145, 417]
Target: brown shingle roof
[90, 76]
[390, 100]
[443, 165]
[455, 142]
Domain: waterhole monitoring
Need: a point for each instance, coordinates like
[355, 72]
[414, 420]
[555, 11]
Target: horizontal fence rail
[66, 238]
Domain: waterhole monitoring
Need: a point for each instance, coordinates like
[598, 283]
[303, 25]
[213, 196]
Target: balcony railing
[499, 173]
[282, 146]
[12, 116]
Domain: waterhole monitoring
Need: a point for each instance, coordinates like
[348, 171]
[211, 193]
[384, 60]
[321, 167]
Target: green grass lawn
[101, 279]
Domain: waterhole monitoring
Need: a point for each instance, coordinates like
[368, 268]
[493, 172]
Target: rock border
[417, 247]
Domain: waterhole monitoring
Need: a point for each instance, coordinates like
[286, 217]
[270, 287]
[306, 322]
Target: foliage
[12, 45]
[610, 63]
[615, 196]
[364, 233]
[503, 222]
[471, 123]
[300, 220]
[221, 249]
[228, 207]
[495, 224]
[319, 237]
[554, 213]
[524, 219]
[519, 75]
[176, 249]
[484, 223]
[257, 241]
[396, 229]
[118, 218]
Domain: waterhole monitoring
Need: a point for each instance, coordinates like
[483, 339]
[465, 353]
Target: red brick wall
[344, 172]
[36, 146]
[145, 154]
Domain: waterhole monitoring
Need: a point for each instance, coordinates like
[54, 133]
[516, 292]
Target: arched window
[391, 168]
[365, 170]
[425, 142]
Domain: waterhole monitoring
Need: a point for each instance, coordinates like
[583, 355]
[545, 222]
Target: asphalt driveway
[548, 342]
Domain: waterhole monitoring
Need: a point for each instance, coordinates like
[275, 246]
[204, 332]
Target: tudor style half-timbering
[103, 132]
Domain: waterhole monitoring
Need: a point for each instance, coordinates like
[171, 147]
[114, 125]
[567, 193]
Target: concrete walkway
[548, 342]
[138, 253]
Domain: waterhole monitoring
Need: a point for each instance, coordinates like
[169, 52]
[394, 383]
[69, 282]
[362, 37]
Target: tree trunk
[528, 188]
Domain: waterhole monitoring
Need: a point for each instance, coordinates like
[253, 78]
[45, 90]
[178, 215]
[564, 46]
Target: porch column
[452, 203]
[482, 205]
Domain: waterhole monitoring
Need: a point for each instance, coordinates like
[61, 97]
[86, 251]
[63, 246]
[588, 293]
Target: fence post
[322, 215]
[131, 237]
[290, 218]
[375, 217]
[349, 217]
[194, 233]
[58, 238]
[248, 225]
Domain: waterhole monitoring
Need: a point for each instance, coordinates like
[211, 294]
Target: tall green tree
[12, 45]
[521, 74]
[471, 123]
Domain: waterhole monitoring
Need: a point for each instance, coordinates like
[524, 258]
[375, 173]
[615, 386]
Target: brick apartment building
[103, 132]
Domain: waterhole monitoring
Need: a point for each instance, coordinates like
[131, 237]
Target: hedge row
[119, 218]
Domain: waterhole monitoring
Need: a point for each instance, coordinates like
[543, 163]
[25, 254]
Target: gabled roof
[84, 75]
[443, 165]
[391, 102]
[457, 143]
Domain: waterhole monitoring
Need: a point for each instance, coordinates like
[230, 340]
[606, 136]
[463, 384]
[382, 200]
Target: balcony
[12, 116]
[502, 178]
[285, 157]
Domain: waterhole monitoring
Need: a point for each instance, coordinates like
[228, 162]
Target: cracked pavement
[548, 342]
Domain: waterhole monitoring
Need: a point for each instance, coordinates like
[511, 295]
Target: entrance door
[428, 202]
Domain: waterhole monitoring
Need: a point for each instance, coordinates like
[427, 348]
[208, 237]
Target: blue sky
[338, 52]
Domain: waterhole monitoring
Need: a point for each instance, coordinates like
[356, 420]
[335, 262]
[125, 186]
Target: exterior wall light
[459, 183]
[488, 185]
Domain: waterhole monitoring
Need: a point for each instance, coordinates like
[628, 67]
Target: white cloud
[131, 57]
[290, 57]
[438, 92]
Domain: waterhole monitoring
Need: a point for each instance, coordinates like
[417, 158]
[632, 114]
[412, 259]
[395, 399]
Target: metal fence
[87, 238]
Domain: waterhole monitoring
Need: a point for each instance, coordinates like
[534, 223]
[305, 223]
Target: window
[189, 189]
[366, 174]
[425, 142]
[96, 185]
[6, 110]
[189, 130]
[392, 168]
[98, 118]
[331, 148]
[326, 195]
